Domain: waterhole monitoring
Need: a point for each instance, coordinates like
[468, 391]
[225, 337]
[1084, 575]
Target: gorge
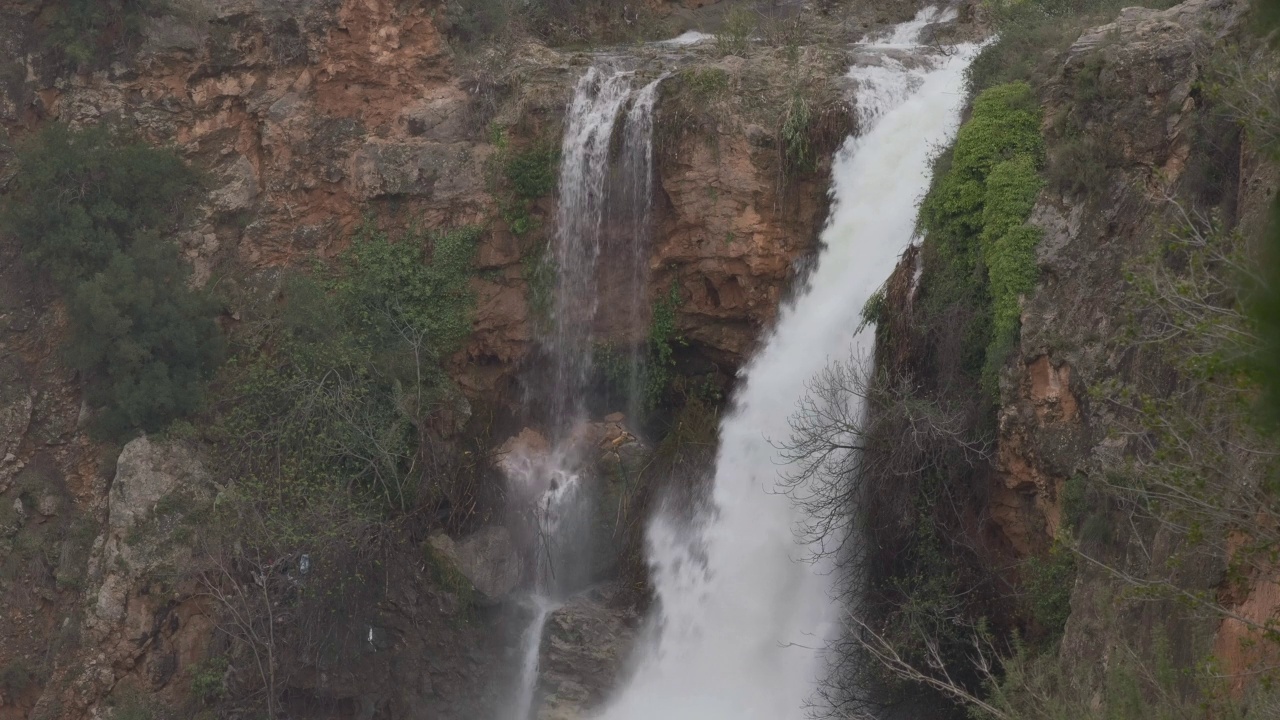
[568, 359]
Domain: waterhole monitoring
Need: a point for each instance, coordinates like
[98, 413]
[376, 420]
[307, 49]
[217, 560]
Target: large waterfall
[742, 615]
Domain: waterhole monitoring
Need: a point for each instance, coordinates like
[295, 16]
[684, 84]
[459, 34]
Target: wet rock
[585, 644]
[444, 118]
[487, 559]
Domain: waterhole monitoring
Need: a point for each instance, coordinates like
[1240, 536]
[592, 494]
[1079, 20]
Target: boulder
[147, 472]
[486, 558]
[138, 539]
[584, 645]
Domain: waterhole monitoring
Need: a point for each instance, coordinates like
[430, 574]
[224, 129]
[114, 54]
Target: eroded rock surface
[584, 650]
[487, 559]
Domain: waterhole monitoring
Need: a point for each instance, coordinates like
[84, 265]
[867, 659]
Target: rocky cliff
[309, 120]
[1147, 154]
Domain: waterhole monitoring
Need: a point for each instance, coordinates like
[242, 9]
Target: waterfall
[742, 615]
[584, 167]
[633, 208]
[604, 210]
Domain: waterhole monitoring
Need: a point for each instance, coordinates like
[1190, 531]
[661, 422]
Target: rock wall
[309, 117]
[1135, 90]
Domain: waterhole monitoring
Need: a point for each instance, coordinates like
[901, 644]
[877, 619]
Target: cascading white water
[601, 204]
[584, 167]
[634, 211]
[742, 616]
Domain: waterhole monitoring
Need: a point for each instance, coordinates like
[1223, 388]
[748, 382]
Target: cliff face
[1171, 151]
[309, 119]
[1140, 149]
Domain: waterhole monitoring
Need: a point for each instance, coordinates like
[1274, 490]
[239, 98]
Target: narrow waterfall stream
[742, 616]
[593, 187]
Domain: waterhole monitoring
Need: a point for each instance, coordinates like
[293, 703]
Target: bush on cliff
[337, 431]
[979, 251]
[92, 208]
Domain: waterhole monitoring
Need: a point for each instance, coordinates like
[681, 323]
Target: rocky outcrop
[583, 651]
[487, 559]
[734, 222]
[308, 117]
[1140, 111]
[139, 625]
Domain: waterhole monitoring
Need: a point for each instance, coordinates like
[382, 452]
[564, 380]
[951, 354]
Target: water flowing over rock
[741, 616]
[604, 208]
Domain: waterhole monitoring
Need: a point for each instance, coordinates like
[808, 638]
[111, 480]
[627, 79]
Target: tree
[93, 209]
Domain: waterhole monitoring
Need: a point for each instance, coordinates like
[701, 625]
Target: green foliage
[1265, 311]
[532, 173]
[1031, 34]
[145, 340]
[649, 371]
[471, 21]
[82, 196]
[208, 680]
[1078, 165]
[706, 83]
[875, 309]
[664, 336]
[539, 271]
[16, 677]
[734, 37]
[1135, 685]
[93, 208]
[1048, 582]
[355, 370]
[86, 30]
[1266, 19]
[419, 285]
[980, 254]
[446, 575]
[521, 178]
[797, 152]
[132, 704]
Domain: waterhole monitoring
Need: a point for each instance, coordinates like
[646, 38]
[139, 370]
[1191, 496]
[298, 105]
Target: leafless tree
[861, 441]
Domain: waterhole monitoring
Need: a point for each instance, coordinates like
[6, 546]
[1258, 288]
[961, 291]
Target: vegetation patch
[979, 251]
[1031, 34]
[95, 209]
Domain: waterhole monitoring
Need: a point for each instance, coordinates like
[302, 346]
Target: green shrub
[146, 342]
[420, 283]
[1078, 166]
[539, 271]
[16, 677]
[798, 155]
[93, 208]
[82, 196]
[735, 37]
[208, 685]
[333, 406]
[1030, 35]
[706, 83]
[533, 173]
[1048, 582]
[664, 336]
[980, 254]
